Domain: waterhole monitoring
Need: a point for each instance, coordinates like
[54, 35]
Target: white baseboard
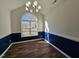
[58, 49]
[27, 41]
[6, 50]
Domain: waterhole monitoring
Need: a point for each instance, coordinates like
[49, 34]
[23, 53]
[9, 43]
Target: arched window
[29, 25]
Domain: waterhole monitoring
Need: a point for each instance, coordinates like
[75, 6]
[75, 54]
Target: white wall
[5, 7]
[16, 19]
[62, 17]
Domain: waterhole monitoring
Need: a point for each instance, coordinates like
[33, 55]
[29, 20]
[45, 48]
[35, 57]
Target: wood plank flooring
[33, 49]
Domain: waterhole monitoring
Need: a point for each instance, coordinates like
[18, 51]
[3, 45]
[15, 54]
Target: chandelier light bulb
[31, 10]
[33, 6]
[39, 7]
[35, 3]
[28, 4]
[37, 10]
[26, 9]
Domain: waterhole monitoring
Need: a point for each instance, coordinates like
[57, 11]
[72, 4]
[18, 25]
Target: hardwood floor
[33, 49]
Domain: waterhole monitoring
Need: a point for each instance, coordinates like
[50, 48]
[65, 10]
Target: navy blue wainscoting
[66, 45]
[17, 37]
[41, 34]
[4, 43]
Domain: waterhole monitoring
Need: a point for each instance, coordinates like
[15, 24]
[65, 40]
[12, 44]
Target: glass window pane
[33, 25]
[25, 30]
[25, 24]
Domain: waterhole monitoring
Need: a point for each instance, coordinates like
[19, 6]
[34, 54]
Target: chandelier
[32, 7]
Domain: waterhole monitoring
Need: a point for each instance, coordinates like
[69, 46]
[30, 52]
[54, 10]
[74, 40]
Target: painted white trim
[27, 41]
[6, 50]
[58, 49]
